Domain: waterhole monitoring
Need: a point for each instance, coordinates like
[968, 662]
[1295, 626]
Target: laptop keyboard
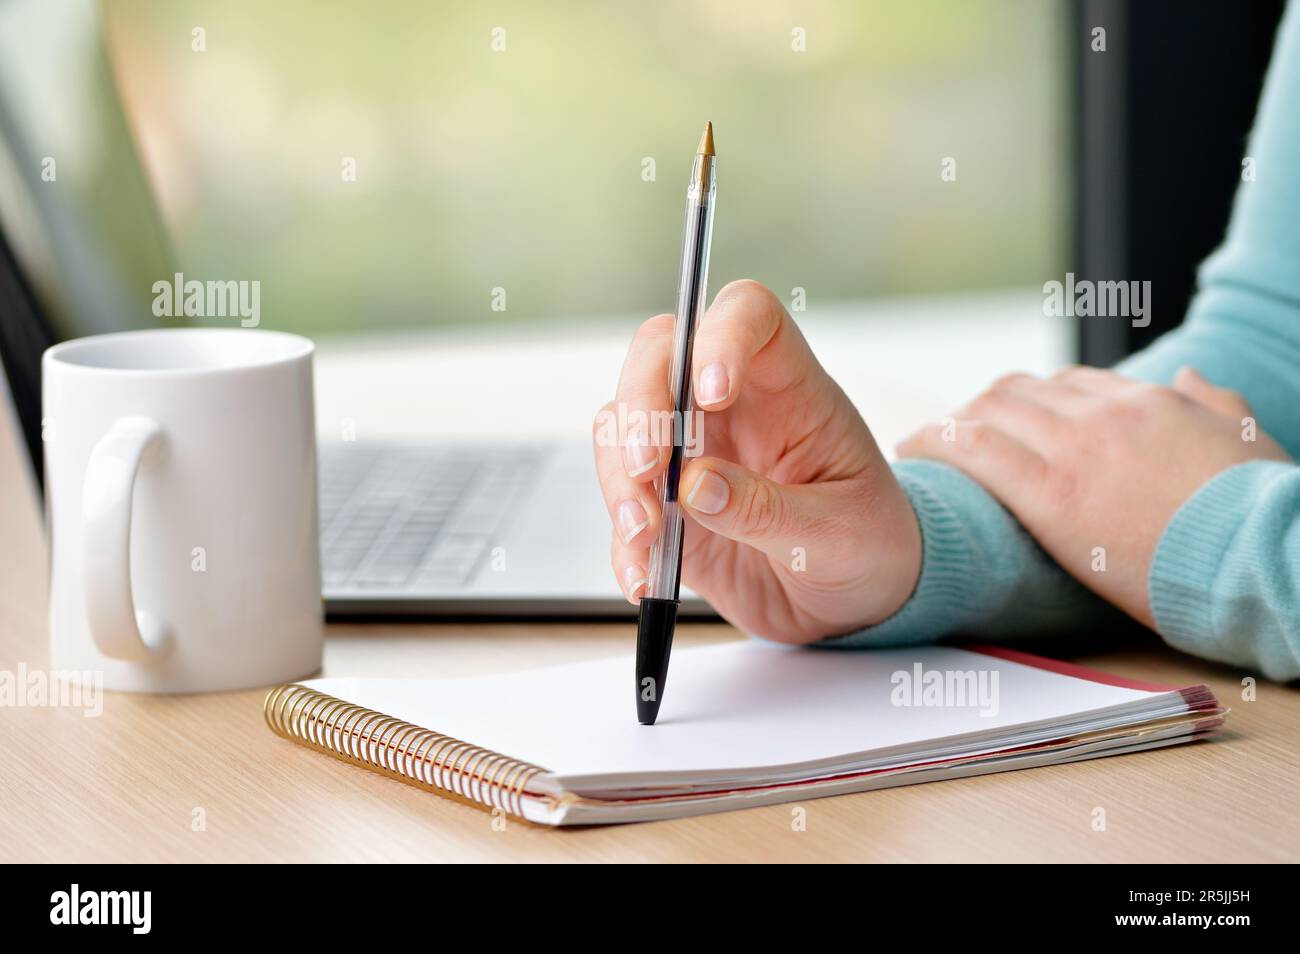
[415, 516]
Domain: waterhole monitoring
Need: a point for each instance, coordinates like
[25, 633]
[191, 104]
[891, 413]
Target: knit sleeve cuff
[948, 594]
[1189, 558]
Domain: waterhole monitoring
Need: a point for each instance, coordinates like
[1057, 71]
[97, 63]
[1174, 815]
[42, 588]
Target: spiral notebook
[743, 724]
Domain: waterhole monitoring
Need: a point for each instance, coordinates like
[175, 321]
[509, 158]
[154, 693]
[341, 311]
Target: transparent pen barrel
[686, 434]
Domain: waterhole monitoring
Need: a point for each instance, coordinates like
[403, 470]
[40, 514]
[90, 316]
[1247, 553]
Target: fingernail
[633, 580]
[715, 385]
[638, 455]
[710, 493]
[632, 520]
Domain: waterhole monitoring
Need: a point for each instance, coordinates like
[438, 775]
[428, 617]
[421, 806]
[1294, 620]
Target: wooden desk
[126, 786]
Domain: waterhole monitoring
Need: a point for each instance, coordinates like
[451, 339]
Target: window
[543, 149]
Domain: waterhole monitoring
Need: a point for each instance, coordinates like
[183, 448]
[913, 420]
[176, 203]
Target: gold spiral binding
[400, 750]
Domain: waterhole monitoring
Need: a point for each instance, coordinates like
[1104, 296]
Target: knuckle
[978, 436]
[761, 511]
[983, 405]
[927, 438]
[924, 436]
[1125, 415]
[1147, 397]
[655, 327]
[1008, 381]
[1061, 487]
[1070, 371]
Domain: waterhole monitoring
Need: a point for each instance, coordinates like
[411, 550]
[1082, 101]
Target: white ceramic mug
[180, 487]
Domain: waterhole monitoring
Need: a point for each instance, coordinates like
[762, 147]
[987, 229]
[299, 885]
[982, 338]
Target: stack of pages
[742, 724]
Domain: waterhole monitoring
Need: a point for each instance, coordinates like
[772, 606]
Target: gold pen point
[706, 142]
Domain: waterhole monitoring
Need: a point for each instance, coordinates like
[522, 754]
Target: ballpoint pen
[658, 613]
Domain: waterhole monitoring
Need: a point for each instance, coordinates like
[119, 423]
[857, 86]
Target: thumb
[741, 505]
[1188, 382]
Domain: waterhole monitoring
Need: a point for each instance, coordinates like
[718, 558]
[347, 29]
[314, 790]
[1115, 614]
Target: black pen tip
[654, 643]
[647, 712]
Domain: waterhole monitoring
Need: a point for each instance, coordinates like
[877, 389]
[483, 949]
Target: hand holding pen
[795, 527]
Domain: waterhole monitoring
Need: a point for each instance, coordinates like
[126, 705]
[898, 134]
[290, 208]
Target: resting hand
[1094, 465]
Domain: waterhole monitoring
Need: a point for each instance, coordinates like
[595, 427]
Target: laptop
[430, 529]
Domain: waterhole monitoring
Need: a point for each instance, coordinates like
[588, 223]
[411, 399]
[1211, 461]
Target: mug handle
[119, 631]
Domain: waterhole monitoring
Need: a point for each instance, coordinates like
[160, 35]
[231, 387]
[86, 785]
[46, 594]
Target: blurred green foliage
[523, 168]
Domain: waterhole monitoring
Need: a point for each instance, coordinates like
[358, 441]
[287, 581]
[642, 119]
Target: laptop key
[397, 517]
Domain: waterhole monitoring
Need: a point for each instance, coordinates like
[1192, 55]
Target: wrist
[947, 578]
[898, 533]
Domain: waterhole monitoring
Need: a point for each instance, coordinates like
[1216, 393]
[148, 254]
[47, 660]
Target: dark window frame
[1161, 123]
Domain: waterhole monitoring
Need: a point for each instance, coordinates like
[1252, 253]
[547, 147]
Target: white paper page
[735, 706]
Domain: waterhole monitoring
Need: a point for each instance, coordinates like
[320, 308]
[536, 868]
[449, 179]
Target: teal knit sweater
[1225, 580]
